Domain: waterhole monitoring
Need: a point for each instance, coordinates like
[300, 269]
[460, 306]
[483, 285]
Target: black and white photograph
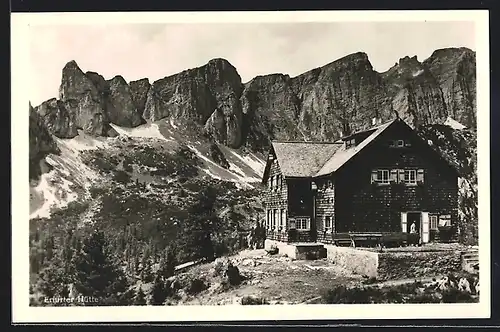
[334, 163]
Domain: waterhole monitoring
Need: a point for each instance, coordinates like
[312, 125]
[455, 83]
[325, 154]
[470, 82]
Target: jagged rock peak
[451, 51]
[219, 61]
[355, 60]
[118, 79]
[407, 60]
[71, 64]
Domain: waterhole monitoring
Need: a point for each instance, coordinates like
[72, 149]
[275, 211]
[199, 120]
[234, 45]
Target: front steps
[470, 260]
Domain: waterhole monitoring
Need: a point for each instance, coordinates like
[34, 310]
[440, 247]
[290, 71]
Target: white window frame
[276, 218]
[380, 179]
[299, 222]
[407, 176]
[327, 228]
[447, 219]
[433, 222]
[283, 219]
[400, 145]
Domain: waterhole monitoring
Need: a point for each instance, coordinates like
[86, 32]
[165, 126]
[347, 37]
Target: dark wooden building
[385, 180]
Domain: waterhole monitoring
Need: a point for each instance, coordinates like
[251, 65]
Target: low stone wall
[403, 265]
[358, 261]
[296, 250]
[283, 248]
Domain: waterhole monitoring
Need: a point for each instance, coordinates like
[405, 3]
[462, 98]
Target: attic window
[350, 142]
[400, 143]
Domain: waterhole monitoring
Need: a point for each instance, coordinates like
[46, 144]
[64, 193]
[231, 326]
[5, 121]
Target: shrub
[446, 233]
[253, 300]
[342, 294]
[453, 295]
[121, 177]
[196, 286]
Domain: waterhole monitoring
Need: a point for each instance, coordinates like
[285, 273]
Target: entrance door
[413, 222]
[425, 227]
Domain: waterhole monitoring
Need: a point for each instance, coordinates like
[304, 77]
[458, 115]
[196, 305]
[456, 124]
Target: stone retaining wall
[403, 265]
[358, 261]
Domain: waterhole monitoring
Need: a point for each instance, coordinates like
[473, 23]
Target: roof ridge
[307, 142]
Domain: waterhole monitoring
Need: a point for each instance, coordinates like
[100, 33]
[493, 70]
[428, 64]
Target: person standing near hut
[413, 228]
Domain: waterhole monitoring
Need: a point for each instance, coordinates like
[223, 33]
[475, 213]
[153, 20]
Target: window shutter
[403, 222]
[401, 175]
[374, 176]
[394, 176]
[420, 176]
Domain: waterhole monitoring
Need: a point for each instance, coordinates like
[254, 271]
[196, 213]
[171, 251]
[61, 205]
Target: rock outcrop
[41, 142]
[208, 95]
[415, 93]
[321, 104]
[455, 71]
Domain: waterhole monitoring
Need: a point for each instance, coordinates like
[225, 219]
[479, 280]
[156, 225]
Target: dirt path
[275, 278]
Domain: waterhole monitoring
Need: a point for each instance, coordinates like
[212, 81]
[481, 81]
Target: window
[445, 220]
[283, 219]
[433, 222]
[380, 176]
[391, 144]
[268, 219]
[410, 176]
[400, 143]
[276, 219]
[328, 223]
[302, 223]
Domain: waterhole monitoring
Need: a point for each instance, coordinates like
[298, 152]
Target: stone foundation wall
[295, 251]
[358, 261]
[403, 265]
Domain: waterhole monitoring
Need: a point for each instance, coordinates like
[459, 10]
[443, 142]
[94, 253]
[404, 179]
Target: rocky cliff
[322, 104]
[41, 142]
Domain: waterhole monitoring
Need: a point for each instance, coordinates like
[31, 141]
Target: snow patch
[252, 161]
[417, 73]
[145, 131]
[454, 124]
[173, 124]
[80, 143]
[238, 172]
[239, 180]
[54, 194]
[49, 197]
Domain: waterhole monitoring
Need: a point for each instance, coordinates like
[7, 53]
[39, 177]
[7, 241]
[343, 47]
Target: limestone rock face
[197, 95]
[57, 119]
[139, 90]
[321, 105]
[415, 93]
[271, 110]
[455, 71]
[41, 142]
[121, 108]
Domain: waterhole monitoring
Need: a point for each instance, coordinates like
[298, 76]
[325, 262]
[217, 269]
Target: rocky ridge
[321, 104]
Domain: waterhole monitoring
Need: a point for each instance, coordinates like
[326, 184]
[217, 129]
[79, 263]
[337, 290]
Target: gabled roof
[303, 159]
[343, 154]
[309, 159]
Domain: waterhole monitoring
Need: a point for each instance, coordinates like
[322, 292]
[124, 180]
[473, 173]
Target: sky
[154, 51]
